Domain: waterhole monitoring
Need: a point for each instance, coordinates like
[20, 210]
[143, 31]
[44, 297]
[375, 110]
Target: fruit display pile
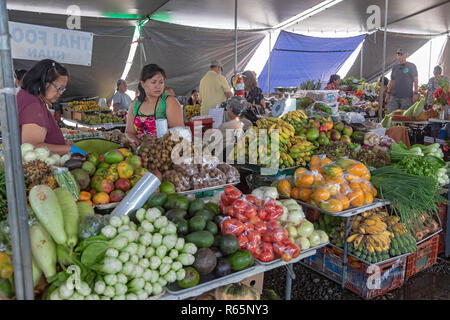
[101, 118]
[191, 111]
[83, 106]
[331, 186]
[107, 178]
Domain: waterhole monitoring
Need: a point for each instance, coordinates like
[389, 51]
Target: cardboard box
[256, 282]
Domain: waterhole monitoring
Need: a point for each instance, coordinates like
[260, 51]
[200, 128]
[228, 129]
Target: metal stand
[290, 275]
[15, 185]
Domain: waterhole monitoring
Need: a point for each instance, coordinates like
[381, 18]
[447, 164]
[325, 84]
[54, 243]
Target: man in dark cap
[214, 88]
[121, 101]
[403, 89]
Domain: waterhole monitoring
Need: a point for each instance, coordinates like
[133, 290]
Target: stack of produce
[426, 161]
[397, 186]
[127, 261]
[83, 106]
[331, 186]
[30, 153]
[156, 153]
[101, 118]
[115, 135]
[301, 231]
[197, 222]
[200, 173]
[107, 178]
[255, 224]
[311, 85]
[191, 111]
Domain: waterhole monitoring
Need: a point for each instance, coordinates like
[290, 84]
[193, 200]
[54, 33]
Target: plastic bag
[217, 177]
[187, 167]
[181, 182]
[231, 173]
[91, 225]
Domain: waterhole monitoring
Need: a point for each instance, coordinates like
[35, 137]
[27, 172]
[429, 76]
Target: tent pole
[268, 66]
[429, 59]
[235, 34]
[384, 60]
[15, 185]
[362, 61]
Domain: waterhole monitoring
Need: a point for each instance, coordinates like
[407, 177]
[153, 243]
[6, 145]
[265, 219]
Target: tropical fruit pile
[191, 111]
[102, 118]
[107, 178]
[81, 106]
[331, 186]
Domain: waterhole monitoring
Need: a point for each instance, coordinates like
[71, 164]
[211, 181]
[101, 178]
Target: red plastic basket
[204, 123]
[424, 257]
[391, 275]
[443, 218]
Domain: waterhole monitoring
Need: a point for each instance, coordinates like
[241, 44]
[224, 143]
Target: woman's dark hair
[249, 80]
[386, 81]
[437, 70]
[193, 91]
[19, 73]
[43, 72]
[148, 72]
[333, 78]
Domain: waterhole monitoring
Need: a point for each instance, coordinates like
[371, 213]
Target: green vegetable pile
[3, 200]
[410, 195]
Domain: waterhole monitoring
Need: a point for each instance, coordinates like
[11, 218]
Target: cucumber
[37, 273]
[45, 204]
[43, 249]
[71, 218]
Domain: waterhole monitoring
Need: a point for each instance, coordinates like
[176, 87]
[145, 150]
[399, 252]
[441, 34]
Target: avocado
[182, 226]
[211, 227]
[223, 268]
[240, 260]
[173, 214]
[113, 156]
[171, 202]
[73, 164]
[194, 206]
[205, 261]
[202, 239]
[157, 199]
[191, 279]
[216, 242]
[197, 223]
[228, 244]
[214, 208]
[182, 203]
[206, 214]
[217, 252]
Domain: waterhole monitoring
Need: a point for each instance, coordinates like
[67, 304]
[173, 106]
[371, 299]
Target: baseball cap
[402, 51]
[216, 63]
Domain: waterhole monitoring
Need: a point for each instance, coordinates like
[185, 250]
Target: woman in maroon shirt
[43, 85]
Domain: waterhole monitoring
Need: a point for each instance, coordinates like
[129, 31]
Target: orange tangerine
[355, 186]
[345, 202]
[315, 161]
[338, 180]
[320, 195]
[366, 187]
[358, 169]
[351, 177]
[318, 178]
[295, 193]
[325, 161]
[305, 180]
[332, 187]
[366, 175]
[356, 198]
[305, 194]
[284, 187]
[334, 205]
[368, 198]
[298, 173]
[374, 191]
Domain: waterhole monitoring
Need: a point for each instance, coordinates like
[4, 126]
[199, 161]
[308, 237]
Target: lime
[167, 187]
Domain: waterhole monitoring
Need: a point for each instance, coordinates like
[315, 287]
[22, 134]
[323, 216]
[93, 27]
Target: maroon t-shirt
[32, 110]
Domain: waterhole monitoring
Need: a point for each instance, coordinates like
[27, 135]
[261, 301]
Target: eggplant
[73, 164]
[223, 268]
[78, 156]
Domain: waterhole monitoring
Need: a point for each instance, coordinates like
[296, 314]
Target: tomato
[251, 198]
[278, 235]
[286, 257]
[254, 219]
[233, 227]
[229, 211]
[240, 205]
[241, 217]
[253, 235]
[232, 193]
[258, 251]
[267, 246]
[275, 214]
[261, 227]
[278, 248]
[242, 239]
[249, 226]
[266, 256]
[250, 211]
[267, 237]
[262, 214]
[272, 225]
[252, 246]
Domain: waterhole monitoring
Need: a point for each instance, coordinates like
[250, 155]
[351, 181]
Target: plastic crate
[424, 257]
[328, 261]
[443, 217]
[205, 124]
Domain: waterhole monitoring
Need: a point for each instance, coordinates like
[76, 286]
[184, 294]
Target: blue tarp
[296, 58]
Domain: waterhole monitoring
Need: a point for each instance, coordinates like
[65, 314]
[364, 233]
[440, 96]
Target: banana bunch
[285, 130]
[297, 115]
[191, 111]
[394, 225]
[298, 119]
[286, 161]
[301, 151]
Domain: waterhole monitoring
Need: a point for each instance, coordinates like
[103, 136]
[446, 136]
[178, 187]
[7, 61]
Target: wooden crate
[256, 282]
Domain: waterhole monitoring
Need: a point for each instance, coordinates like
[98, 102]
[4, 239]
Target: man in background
[214, 88]
[435, 83]
[121, 101]
[403, 90]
